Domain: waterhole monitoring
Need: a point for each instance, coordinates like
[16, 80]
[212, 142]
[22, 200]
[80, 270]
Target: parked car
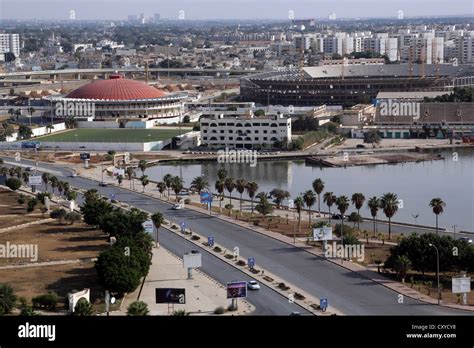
[183, 193]
[360, 146]
[103, 184]
[466, 239]
[253, 285]
[337, 216]
[29, 169]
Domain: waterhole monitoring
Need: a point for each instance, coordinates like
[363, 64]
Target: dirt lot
[12, 213]
[55, 242]
[62, 279]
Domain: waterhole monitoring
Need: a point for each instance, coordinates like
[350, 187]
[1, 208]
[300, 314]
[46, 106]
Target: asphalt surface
[346, 291]
[266, 300]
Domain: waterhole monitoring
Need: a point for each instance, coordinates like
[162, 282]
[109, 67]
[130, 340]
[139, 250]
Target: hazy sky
[230, 9]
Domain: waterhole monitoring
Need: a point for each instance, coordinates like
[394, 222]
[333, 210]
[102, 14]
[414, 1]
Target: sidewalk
[203, 294]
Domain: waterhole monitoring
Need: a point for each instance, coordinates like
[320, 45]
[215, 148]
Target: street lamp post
[437, 270]
[415, 216]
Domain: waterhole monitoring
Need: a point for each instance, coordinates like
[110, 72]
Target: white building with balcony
[245, 132]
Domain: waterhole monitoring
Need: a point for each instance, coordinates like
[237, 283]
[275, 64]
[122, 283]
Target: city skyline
[228, 9]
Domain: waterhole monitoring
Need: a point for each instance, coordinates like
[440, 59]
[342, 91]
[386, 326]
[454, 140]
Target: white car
[253, 285]
[466, 239]
[177, 206]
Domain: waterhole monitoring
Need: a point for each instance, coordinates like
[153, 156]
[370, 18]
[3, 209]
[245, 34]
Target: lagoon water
[451, 179]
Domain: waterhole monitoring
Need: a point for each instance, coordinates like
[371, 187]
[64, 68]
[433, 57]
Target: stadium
[118, 99]
[350, 85]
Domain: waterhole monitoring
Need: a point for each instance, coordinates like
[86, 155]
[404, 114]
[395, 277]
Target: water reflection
[415, 183]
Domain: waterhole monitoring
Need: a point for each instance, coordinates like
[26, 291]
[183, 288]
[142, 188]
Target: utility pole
[437, 271]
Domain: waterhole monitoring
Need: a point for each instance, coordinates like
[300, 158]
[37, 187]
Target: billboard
[461, 285]
[237, 290]
[30, 144]
[192, 259]
[85, 156]
[149, 226]
[206, 197]
[324, 233]
[35, 180]
[170, 295]
[118, 171]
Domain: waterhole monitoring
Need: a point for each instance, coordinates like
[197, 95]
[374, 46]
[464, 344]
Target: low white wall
[82, 146]
[40, 131]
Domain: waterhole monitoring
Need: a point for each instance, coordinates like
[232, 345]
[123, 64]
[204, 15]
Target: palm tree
[342, 203]
[309, 199]
[240, 185]
[25, 176]
[329, 198]
[120, 179]
[222, 173]
[158, 219]
[18, 172]
[318, 187]
[229, 185]
[358, 200]
[374, 205]
[31, 111]
[220, 186]
[177, 185]
[129, 172]
[168, 180]
[11, 172]
[161, 186]
[438, 208]
[45, 178]
[60, 188]
[279, 195]
[142, 165]
[3, 171]
[145, 181]
[66, 187]
[54, 182]
[389, 205]
[252, 188]
[299, 204]
[199, 183]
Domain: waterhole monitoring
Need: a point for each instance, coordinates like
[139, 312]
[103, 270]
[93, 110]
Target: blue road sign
[210, 241]
[206, 197]
[323, 304]
[183, 226]
[112, 196]
[251, 262]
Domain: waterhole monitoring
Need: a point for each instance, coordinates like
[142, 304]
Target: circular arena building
[118, 98]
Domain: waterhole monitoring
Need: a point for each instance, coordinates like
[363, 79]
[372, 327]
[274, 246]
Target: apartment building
[245, 132]
[9, 43]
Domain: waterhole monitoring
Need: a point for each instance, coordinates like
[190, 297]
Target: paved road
[347, 291]
[265, 300]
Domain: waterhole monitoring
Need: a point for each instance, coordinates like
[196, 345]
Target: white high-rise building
[9, 43]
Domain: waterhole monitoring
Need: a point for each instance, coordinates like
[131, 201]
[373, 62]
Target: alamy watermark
[395, 107]
[67, 108]
[237, 156]
[19, 251]
[346, 251]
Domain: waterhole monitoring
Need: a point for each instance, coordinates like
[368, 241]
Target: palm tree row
[388, 202]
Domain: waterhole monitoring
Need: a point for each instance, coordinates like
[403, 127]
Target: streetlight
[437, 270]
[415, 216]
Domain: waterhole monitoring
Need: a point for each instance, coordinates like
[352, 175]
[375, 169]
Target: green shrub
[217, 249]
[219, 310]
[48, 301]
[241, 263]
[229, 206]
[229, 256]
[13, 183]
[21, 199]
[195, 237]
[187, 201]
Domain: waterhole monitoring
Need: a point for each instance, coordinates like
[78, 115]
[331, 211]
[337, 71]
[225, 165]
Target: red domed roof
[116, 88]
